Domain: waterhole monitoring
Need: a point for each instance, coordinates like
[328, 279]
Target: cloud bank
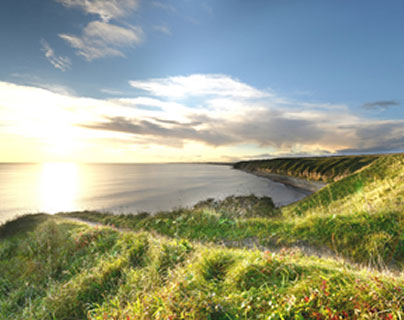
[231, 119]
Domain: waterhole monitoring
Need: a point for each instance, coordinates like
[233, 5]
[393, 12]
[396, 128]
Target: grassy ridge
[325, 169]
[377, 187]
[65, 270]
[174, 265]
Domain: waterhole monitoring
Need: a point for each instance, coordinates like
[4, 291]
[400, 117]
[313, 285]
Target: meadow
[337, 254]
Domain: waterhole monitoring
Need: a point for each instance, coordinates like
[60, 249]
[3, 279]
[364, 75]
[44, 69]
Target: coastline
[306, 186]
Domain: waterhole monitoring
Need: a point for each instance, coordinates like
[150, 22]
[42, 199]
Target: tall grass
[102, 273]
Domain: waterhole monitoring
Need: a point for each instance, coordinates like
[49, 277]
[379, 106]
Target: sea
[125, 188]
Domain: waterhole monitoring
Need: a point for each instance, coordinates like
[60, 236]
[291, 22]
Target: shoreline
[305, 186]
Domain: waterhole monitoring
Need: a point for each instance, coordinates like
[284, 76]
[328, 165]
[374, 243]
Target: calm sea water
[125, 188]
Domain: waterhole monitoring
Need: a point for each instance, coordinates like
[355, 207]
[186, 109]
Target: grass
[359, 217]
[325, 169]
[75, 271]
[204, 263]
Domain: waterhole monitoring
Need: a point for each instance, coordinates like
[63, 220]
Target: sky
[199, 80]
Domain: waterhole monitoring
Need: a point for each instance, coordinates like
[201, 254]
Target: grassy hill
[337, 254]
[325, 169]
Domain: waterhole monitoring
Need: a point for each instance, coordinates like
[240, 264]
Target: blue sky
[130, 80]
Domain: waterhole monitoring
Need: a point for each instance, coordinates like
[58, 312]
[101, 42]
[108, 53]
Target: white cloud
[101, 39]
[145, 101]
[59, 62]
[106, 9]
[112, 92]
[199, 85]
[221, 122]
[35, 81]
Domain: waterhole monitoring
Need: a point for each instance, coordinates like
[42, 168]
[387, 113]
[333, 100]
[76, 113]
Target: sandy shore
[302, 184]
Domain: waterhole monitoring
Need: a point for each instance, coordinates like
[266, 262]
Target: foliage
[84, 272]
[241, 206]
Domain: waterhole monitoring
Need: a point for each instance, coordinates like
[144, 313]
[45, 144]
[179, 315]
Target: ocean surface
[125, 188]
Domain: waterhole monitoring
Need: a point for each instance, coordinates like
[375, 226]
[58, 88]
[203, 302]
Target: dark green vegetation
[325, 169]
[240, 206]
[184, 264]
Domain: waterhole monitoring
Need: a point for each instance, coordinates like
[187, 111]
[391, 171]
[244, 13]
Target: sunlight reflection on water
[59, 184]
[124, 188]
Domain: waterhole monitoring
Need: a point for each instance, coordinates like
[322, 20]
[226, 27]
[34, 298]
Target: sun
[59, 186]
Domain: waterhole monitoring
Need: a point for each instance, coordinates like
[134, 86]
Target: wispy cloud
[382, 104]
[198, 85]
[101, 39]
[59, 62]
[164, 6]
[112, 92]
[377, 136]
[163, 29]
[105, 9]
[170, 129]
[207, 8]
[32, 80]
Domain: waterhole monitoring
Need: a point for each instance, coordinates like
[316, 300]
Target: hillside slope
[66, 270]
[184, 265]
[324, 169]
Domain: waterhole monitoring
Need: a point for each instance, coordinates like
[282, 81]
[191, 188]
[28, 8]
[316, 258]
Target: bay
[125, 188]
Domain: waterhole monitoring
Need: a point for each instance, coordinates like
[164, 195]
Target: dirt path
[251, 243]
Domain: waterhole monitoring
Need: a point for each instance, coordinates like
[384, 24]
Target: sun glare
[59, 186]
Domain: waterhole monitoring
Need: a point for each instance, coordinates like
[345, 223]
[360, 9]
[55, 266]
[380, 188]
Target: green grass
[325, 169]
[201, 263]
[359, 217]
[65, 270]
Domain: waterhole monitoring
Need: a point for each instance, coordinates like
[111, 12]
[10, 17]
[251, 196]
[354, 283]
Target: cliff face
[324, 169]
